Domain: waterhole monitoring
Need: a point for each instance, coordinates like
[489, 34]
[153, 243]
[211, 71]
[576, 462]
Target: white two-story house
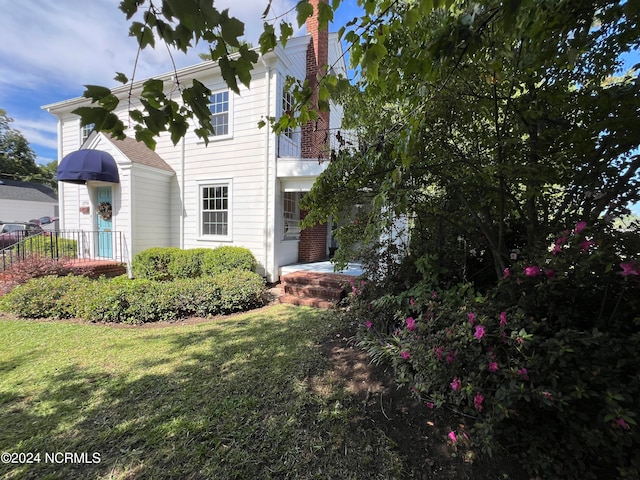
[242, 189]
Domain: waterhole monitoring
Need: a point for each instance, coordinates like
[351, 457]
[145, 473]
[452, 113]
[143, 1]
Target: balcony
[305, 154]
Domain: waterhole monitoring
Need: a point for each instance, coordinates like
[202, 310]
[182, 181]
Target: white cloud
[51, 48]
[75, 42]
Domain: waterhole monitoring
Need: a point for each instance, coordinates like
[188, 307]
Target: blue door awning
[84, 165]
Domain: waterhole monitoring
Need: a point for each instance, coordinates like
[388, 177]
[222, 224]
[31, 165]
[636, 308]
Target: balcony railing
[325, 144]
[67, 245]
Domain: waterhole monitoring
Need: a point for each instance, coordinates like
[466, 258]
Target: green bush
[168, 263]
[52, 246]
[187, 263]
[228, 258]
[239, 290]
[546, 360]
[153, 263]
[48, 297]
[136, 301]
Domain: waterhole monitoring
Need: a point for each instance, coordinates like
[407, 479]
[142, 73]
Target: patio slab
[353, 269]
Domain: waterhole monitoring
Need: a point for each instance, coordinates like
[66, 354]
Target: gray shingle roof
[26, 191]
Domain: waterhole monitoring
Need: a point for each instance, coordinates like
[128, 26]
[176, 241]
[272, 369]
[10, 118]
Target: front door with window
[104, 245]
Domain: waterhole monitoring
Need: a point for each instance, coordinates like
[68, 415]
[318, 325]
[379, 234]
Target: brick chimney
[312, 246]
[315, 135]
[320, 37]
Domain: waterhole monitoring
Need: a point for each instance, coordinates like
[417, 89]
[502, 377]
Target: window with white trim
[291, 215]
[219, 107]
[215, 210]
[287, 107]
[85, 131]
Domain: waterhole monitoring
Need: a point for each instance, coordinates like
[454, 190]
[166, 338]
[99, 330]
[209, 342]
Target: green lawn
[223, 399]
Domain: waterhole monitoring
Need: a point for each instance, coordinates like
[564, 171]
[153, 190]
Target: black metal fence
[67, 245]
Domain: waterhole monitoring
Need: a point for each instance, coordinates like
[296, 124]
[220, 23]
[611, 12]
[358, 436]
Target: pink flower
[547, 395]
[506, 273]
[523, 372]
[411, 324]
[477, 401]
[451, 357]
[549, 273]
[503, 319]
[369, 324]
[405, 354]
[586, 245]
[455, 385]
[580, 226]
[430, 405]
[439, 351]
[493, 366]
[622, 423]
[472, 317]
[412, 302]
[434, 294]
[480, 331]
[532, 271]
[452, 436]
[630, 268]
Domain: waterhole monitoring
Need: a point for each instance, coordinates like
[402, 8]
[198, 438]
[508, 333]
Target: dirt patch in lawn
[420, 433]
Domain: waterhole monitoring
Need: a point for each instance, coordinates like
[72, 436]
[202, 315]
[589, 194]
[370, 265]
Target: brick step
[306, 301]
[312, 278]
[316, 291]
[322, 290]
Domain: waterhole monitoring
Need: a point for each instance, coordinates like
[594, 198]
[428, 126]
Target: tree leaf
[305, 10]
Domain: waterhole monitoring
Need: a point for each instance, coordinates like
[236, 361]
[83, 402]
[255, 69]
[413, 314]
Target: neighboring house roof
[26, 191]
[139, 153]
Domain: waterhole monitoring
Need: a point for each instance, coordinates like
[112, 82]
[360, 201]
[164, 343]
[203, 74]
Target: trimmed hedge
[137, 301]
[187, 263]
[169, 263]
[153, 263]
[228, 258]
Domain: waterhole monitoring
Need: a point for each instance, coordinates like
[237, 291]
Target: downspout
[61, 210]
[267, 140]
[182, 209]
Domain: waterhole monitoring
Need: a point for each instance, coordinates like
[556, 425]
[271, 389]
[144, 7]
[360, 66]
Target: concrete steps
[312, 289]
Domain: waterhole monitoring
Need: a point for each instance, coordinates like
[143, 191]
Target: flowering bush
[547, 360]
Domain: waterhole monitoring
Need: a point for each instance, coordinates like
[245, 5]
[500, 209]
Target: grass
[225, 399]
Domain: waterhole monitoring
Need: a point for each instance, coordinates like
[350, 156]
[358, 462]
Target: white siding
[155, 209]
[151, 217]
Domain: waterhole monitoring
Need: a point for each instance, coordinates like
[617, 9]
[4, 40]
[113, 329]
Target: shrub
[136, 301]
[239, 290]
[187, 263]
[35, 266]
[52, 246]
[228, 258]
[153, 263]
[546, 360]
[49, 296]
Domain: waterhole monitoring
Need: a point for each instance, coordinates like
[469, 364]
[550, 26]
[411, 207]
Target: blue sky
[49, 49]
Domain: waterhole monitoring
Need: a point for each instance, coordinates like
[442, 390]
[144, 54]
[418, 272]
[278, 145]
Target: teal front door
[105, 235]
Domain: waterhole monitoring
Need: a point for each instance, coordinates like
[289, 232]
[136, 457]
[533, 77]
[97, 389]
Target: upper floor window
[220, 113]
[85, 131]
[287, 107]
